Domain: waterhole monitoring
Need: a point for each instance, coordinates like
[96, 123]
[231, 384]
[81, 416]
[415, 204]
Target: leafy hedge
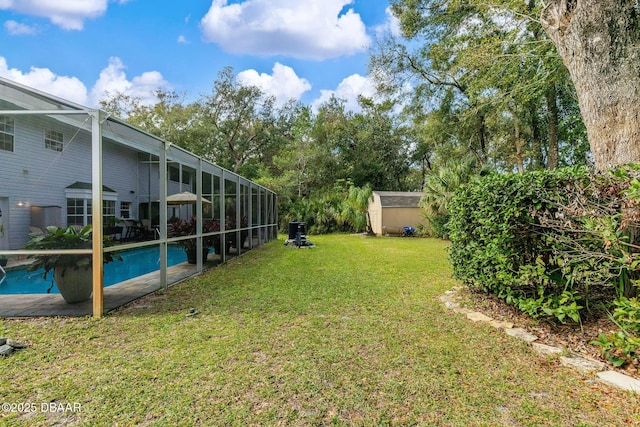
[552, 243]
[558, 244]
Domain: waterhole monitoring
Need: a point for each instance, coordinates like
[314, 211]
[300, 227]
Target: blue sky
[81, 49]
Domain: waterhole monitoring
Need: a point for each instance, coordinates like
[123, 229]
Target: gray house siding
[33, 175]
[36, 181]
[121, 174]
[148, 180]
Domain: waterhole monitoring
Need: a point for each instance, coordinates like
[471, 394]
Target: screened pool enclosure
[68, 166]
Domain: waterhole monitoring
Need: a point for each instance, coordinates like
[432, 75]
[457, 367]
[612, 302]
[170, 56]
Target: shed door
[4, 223]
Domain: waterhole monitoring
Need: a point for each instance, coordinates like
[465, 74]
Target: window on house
[79, 203]
[7, 133]
[53, 140]
[125, 209]
[78, 211]
[174, 174]
[108, 208]
[186, 177]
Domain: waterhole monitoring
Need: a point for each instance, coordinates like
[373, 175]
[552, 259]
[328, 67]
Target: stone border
[8, 346]
[577, 362]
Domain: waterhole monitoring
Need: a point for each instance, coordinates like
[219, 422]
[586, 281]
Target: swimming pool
[135, 262]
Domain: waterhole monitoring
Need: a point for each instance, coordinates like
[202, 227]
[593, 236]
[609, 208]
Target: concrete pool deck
[36, 305]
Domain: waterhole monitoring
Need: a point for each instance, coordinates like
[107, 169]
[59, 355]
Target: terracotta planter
[75, 284]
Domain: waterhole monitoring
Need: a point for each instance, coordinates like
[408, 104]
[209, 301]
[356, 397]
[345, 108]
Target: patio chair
[133, 230]
[36, 230]
[150, 230]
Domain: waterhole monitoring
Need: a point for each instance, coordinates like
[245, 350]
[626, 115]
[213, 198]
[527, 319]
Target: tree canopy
[468, 86]
[487, 68]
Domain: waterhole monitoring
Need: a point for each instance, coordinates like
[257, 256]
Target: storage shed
[390, 211]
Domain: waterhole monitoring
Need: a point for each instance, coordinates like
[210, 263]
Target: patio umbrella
[184, 198]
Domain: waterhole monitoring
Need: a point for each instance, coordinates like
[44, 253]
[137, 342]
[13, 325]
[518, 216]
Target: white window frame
[7, 130]
[108, 208]
[53, 140]
[86, 196]
[125, 207]
[83, 205]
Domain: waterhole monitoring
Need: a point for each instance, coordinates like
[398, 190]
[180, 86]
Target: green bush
[438, 226]
[624, 345]
[553, 243]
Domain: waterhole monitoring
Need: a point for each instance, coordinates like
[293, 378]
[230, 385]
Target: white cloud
[69, 88]
[67, 14]
[311, 29]
[112, 79]
[283, 84]
[349, 89]
[17, 29]
[182, 39]
[390, 26]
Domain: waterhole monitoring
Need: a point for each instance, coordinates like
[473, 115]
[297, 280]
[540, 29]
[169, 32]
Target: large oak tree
[599, 42]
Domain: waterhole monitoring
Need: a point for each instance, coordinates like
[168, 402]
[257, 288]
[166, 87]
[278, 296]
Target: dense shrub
[343, 210]
[438, 226]
[553, 243]
[320, 214]
[623, 345]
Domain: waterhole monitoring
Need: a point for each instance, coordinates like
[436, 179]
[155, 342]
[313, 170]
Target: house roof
[16, 96]
[87, 186]
[399, 199]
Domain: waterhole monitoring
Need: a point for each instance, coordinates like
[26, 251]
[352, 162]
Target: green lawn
[350, 332]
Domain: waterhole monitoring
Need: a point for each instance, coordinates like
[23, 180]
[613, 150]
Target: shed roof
[399, 199]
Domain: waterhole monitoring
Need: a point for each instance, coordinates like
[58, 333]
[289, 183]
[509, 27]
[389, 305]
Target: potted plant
[231, 239]
[188, 228]
[73, 273]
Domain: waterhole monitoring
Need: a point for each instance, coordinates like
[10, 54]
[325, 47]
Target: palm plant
[66, 238]
[72, 273]
[355, 209]
[325, 214]
[439, 188]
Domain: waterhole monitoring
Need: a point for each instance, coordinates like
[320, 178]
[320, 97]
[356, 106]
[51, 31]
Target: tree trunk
[597, 40]
[482, 129]
[519, 143]
[536, 135]
[552, 126]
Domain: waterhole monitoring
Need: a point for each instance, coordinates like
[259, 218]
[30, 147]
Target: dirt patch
[574, 338]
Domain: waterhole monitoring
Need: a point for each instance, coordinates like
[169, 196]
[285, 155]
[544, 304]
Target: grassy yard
[350, 332]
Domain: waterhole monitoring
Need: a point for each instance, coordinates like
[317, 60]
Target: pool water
[135, 262]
